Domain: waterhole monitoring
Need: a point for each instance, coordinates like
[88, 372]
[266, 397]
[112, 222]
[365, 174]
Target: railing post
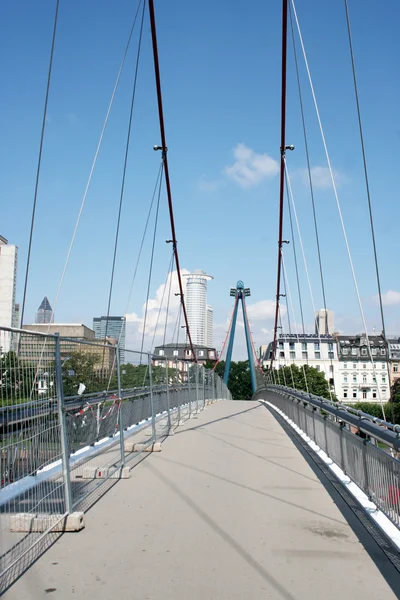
[153, 421]
[313, 422]
[189, 390]
[120, 419]
[326, 436]
[365, 466]
[204, 387]
[342, 426]
[197, 387]
[167, 391]
[177, 392]
[63, 428]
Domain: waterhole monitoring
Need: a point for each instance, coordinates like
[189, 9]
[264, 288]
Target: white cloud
[321, 178]
[251, 168]
[264, 309]
[390, 298]
[156, 316]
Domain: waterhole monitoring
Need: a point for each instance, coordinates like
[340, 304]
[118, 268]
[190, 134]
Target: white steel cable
[332, 177]
[293, 313]
[305, 264]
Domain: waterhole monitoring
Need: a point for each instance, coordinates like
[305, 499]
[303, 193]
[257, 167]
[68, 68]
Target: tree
[239, 382]
[16, 379]
[304, 378]
[80, 368]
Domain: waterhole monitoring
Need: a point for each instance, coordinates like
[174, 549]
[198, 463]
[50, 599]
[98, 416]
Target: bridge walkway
[232, 508]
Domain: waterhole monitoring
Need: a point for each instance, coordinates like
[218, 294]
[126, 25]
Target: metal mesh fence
[371, 467]
[73, 418]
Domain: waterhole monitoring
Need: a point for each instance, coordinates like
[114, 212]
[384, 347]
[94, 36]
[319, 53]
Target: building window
[364, 379]
[318, 368]
[317, 354]
[176, 353]
[383, 365]
[161, 353]
[354, 393]
[395, 367]
[304, 355]
[293, 355]
[354, 378]
[211, 354]
[330, 346]
[364, 393]
[373, 351]
[291, 345]
[383, 351]
[383, 392]
[280, 345]
[345, 393]
[188, 352]
[201, 352]
[345, 351]
[374, 379]
[374, 393]
[383, 379]
[282, 354]
[304, 346]
[330, 368]
[316, 345]
[364, 351]
[345, 379]
[354, 351]
[354, 365]
[364, 365]
[344, 365]
[331, 355]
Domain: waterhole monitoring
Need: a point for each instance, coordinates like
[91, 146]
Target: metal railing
[72, 417]
[363, 446]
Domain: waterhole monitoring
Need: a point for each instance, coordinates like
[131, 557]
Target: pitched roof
[45, 304]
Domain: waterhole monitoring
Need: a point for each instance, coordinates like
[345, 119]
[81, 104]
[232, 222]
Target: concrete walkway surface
[230, 509]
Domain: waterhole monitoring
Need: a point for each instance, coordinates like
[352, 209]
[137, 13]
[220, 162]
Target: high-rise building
[9, 310]
[209, 325]
[45, 312]
[113, 327]
[324, 323]
[196, 306]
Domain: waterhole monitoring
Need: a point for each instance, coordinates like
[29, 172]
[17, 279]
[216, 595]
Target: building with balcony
[178, 356]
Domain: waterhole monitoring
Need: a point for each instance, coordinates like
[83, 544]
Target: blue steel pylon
[240, 292]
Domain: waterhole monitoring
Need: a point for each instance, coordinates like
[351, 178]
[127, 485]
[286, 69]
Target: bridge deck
[229, 509]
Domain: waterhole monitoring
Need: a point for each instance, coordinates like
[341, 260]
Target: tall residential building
[196, 305]
[8, 287]
[209, 326]
[324, 323]
[45, 312]
[116, 328]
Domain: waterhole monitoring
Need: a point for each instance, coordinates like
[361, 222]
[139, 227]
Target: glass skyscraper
[116, 328]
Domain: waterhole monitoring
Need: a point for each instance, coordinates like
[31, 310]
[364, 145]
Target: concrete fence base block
[27, 522]
[122, 473]
[156, 447]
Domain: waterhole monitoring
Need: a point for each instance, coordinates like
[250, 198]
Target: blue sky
[220, 67]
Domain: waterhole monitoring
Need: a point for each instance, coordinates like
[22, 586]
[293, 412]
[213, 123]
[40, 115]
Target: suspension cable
[162, 302]
[227, 335]
[127, 144]
[282, 170]
[371, 219]
[332, 177]
[39, 163]
[151, 263]
[166, 169]
[169, 297]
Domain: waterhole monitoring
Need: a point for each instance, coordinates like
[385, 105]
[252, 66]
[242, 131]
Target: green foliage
[239, 382]
[138, 375]
[395, 391]
[296, 377]
[371, 408]
[16, 379]
[80, 368]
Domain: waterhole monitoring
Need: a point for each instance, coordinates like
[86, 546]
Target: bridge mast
[240, 293]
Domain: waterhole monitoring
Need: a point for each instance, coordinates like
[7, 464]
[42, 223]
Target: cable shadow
[250, 439]
[255, 490]
[216, 528]
[268, 460]
[380, 549]
[217, 420]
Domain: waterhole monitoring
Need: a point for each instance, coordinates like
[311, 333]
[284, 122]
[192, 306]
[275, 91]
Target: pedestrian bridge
[236, 505]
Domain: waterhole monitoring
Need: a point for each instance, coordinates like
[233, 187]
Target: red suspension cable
[282, 171]
[166, 170]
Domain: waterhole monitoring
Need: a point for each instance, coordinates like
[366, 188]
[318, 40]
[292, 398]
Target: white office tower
[196, 306]
[8, 287]
[209, 325]
[324, 324]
